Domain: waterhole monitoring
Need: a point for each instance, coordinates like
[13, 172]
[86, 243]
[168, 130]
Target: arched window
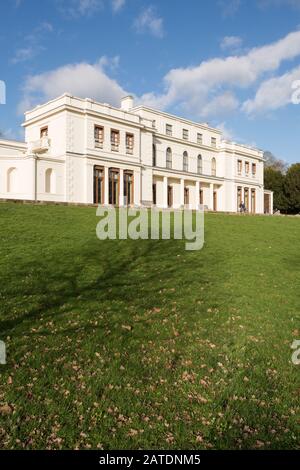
[12, 180]
[213, 167]
[199, 164]
[169, 158]
[49, 181]
[154, 155]
[185, 161]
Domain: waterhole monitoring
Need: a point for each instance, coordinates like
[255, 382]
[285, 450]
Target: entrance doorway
[128, 188]
[253, 201]
[154, 193]
[246, 198]
[201, 196]
[215, 201]
[239, 198]
[98, 185]
[113, 197]
[267, 204]
[186, 196]
[170, 196]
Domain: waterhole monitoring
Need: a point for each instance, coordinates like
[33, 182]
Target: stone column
[211, 196]
[182, 192]
[121, 187]
[165, 192]
[197, 198]
[106, 186]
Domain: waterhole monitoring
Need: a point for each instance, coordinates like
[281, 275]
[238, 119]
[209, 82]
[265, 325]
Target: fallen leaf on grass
[6, 409]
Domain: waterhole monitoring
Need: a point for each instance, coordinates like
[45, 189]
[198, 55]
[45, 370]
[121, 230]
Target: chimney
[127, 103]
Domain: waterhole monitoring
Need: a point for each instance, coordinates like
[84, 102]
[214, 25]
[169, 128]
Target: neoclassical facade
[81, 151]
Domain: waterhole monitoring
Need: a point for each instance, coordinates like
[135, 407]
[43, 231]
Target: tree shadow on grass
[131, 271]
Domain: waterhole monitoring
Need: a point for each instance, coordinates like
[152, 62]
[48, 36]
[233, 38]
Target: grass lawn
[141, 344]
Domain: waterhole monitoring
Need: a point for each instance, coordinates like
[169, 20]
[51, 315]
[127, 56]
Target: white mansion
[78, 150]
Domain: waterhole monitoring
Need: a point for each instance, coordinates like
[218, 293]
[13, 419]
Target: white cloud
[229, 7]
[83, 80]
[231, 42]
[206, 90]
[78, 8]
[149, 22]
[32, 43]
[220, 104]
[279, 3]
[25, 53]
[273, 93]
[117, 5]
[227, 133]
[193, 87]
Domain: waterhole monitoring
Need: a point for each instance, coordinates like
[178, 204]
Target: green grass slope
[141, 344]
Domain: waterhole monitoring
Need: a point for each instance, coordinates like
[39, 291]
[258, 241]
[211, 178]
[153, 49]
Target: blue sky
[231, 63]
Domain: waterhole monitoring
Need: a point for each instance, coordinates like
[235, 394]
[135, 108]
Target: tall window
[128, 187]
[199, 164]
[49, 181]
[186, 196]
[201, 196]
[98, 185]
[239, 167]
[129, 143]
[239, 198]
[154, 193]
[199, 138]
[213, 142]
[98, 136]
[153, 155]
[246, 198]
[44, 132]
[185, 134]
[185, 161]
[253, 201]
[169, 158]
[213, 167]
[253, 169]
[247, 168]
[113, 181]
[115, 140]
[169, 129]
[170, 196]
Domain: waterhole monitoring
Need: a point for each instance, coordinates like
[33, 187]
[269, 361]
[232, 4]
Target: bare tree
[275, 163]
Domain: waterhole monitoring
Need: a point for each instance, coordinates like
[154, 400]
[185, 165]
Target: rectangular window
[129, 143]
[185, 134]
[199, 139]
[253, 169]
[213, 142]
[239, 167]
[98, 136]
[44, 132]
[169, 129]
[247, 168]
[115, 140]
